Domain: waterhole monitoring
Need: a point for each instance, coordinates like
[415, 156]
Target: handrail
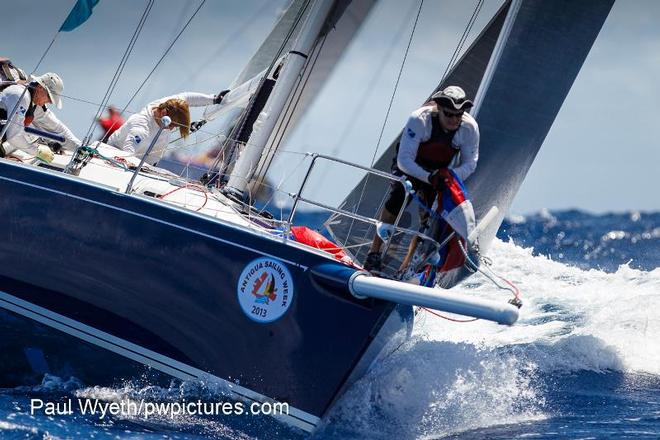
[402, 180]
[297, 197]
[375, 222]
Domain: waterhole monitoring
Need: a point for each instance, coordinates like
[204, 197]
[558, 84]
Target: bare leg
[412, 247]
[411, 250]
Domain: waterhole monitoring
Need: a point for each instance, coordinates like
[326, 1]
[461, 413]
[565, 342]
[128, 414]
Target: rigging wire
[396, 84]
[367, 91]
[439, 315]
[132, 111]
[45, 52]
[389, 108]
[511, 287]
[164, 54]
[185, 6]
[463, 39]
[49, 46]
[289, 111]
[238, 127]
[227, 41]
[450, 65]
[85, 101]
[118, 72]
[284, 179]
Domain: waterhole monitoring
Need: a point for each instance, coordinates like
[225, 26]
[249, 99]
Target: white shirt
[418, 130]
[139, 130]
[46, 120]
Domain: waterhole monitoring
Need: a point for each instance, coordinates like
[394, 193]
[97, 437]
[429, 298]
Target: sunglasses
[452, 115]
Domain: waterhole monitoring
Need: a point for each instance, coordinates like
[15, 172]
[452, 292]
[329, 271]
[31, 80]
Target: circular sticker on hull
[265, 290]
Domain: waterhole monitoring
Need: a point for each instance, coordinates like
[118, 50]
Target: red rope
[447, 317]
[516, 291]
[196, 188]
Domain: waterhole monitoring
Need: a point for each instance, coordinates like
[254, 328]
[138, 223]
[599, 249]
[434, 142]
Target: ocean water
[583, 362]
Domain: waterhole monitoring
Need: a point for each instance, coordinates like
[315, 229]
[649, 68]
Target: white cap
[53, 85]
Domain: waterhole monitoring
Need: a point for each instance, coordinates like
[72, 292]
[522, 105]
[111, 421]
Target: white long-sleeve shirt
[139, 130]
[419, 129]
[45, 120]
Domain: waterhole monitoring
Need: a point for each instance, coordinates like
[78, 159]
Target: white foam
[454, 377]
[433, 388]
[14, 429]
[572, 319]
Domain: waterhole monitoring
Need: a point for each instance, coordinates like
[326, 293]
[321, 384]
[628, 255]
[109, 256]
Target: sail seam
[496, 55]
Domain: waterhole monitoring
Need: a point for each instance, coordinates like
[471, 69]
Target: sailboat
[141, 267]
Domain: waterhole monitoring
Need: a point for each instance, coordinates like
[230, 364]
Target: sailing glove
[218, 98]
[196, 125]
[56, 147]
[438, 179]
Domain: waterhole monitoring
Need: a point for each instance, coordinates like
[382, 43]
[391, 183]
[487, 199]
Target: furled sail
[536, 60]
[278, 42]
[297, 57]
[339, 30]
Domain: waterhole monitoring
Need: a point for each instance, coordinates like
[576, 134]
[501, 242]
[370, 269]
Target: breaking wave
[452, 377]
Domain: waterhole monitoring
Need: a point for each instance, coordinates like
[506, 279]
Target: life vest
[434, 153]
[9, 72]
[10, 75]
[437, 151]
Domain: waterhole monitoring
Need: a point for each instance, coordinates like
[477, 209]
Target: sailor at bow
[430, 145]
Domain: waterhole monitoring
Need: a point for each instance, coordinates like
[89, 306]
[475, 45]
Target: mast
[290, 69]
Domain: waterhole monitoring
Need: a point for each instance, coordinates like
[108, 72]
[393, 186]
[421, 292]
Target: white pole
[362, 285]
[293, 65]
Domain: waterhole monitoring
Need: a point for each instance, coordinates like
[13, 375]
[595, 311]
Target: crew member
[32, 110]
[431, 140]
[111, 123]
[140, 129]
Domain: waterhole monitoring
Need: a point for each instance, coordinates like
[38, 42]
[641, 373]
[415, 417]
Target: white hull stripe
[296, 417]
[174, 225]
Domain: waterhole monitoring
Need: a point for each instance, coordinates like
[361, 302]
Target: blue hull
[158, 285]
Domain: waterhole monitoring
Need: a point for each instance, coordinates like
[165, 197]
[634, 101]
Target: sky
[601, 155]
